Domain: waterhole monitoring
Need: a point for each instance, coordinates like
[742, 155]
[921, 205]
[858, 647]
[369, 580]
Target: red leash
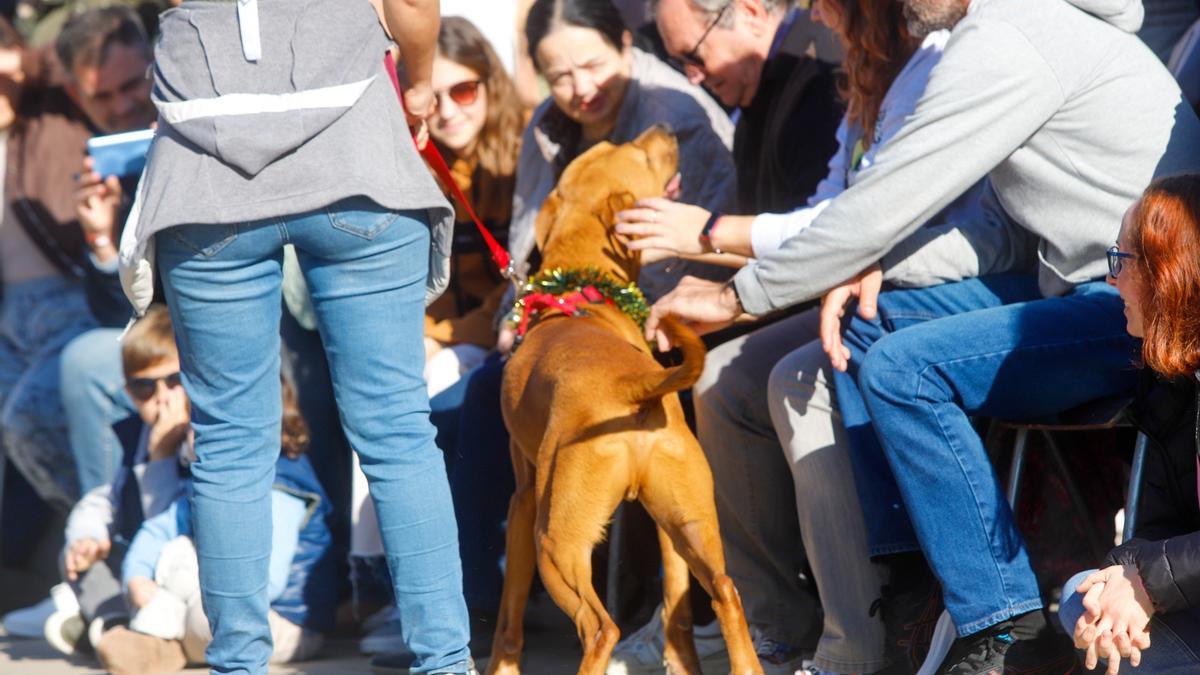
[500, 256]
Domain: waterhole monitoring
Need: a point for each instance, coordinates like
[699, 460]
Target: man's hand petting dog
[705, 306]
[1116, 618]
[865, 287]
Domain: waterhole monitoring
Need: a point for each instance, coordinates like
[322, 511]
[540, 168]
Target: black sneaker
[910, 604]
[1002, 650]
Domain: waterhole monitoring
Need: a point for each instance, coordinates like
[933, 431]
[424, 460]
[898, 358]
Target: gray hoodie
[1056, 101]
[313, 119]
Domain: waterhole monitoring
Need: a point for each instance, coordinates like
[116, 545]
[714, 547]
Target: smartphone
[120, 154]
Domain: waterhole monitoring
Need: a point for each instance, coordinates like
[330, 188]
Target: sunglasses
[463, 93]
[144, 388]
[692, 56]
[1116, 261]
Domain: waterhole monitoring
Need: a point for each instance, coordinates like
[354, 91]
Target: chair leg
[1133, 495]
[1095, 542]
[1017, 467]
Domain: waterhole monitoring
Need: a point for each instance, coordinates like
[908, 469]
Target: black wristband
[706, 232]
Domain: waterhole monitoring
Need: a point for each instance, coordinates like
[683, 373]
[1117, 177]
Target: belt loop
[248, 22]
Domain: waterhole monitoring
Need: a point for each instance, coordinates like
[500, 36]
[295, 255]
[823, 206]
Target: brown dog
[595, 419]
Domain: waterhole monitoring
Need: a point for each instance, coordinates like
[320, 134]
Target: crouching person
[1144, 605]
[161, 576]
[151, 477]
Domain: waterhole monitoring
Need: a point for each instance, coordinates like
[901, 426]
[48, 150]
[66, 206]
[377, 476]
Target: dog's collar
[570, 290]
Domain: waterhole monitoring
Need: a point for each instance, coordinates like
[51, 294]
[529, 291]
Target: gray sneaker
[398, 664]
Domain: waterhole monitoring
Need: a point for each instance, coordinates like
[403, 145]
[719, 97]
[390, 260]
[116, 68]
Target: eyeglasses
[1116, 258]
[692, 56]
[144, 388]
[463, 93]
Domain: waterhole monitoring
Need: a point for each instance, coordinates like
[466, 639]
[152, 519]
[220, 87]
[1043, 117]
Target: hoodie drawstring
[248, 22]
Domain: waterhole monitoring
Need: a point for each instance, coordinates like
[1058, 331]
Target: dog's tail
[660, 383]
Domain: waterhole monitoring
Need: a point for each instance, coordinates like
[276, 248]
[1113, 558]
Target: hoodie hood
[1124, 14]
[248, 114]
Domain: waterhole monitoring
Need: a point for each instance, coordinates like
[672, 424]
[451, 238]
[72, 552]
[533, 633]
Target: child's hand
[171, 425]
[141, 591]
[83, 554]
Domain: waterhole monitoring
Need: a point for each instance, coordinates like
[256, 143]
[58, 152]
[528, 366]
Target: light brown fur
[594, 419]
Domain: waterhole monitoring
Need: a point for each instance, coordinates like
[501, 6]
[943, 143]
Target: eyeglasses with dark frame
[144, 388]
[691, 57]
[1116, 260]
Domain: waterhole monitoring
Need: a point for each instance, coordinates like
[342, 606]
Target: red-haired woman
[1150, 586]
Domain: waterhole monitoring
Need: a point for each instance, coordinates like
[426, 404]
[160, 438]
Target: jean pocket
[205, 240]
[361, 217]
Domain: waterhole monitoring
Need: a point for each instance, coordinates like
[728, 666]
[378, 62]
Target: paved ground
[551, 650]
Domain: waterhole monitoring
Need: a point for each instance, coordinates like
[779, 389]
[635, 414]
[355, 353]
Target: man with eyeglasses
[751, 55]
[1069, 115]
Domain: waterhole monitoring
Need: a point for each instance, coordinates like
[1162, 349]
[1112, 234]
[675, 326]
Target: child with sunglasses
[161, 576]
[151, 477]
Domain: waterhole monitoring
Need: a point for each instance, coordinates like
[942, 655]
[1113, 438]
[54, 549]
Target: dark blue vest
[310, 598]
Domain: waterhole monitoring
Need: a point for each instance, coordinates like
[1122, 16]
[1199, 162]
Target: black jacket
[787, 134]
[1166, 549]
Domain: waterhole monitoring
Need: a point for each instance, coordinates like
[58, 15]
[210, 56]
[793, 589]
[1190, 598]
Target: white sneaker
[30, 622]
[64, 630]
[642, 651]
[778, 658]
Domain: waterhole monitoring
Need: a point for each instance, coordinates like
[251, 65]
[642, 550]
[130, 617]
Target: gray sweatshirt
[1056, 101]
[312, 120]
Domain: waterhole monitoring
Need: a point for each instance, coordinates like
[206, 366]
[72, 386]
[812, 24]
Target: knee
[83, 359]
[891, 369]
[723, 383]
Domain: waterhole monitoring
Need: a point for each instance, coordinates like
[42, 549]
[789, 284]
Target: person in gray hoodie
[1070, 117]
[279, 124]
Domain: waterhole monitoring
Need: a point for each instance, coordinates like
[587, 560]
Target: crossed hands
[83, 554]
[1116, 617]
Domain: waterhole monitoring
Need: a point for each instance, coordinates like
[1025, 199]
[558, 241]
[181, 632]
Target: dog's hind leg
[679, 496]
[679, 651]
[518, 571]
[579, 501]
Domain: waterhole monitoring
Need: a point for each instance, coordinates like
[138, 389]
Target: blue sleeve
[287, 517]
[151, 537]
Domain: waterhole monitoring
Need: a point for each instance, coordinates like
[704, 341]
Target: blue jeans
[94, 398]
[38, 319]
[482, 482]
[366, 269]
[937, 356]
[1174, 638]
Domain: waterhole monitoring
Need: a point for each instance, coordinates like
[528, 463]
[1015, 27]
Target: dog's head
[575, 225]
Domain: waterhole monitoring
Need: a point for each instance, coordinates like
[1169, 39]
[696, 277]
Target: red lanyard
[499, 256]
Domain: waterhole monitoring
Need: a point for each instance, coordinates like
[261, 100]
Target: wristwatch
[707, 230]
[98, 241]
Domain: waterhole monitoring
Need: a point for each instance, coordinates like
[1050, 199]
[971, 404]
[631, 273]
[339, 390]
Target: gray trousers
[766, 417]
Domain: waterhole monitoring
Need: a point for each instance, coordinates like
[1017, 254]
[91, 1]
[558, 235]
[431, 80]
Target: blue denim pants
[933, 358]
[94, 398]
[1174, 638]
[366, 269]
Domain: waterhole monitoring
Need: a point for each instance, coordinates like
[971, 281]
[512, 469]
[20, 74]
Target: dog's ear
[616, 202]
[545, 219]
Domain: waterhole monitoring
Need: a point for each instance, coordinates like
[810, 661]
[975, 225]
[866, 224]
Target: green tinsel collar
[558, 282]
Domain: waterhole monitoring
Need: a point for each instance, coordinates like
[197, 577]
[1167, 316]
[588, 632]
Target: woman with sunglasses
[1144, 604]
[604, 89]
[477, 127]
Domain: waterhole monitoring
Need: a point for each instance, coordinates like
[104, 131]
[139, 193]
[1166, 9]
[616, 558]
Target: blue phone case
[120, 154]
